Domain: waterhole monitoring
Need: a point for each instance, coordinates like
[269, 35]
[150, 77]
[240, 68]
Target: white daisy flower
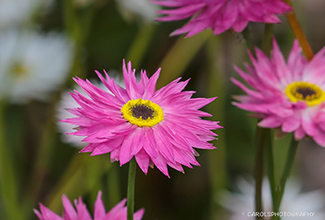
[144, 8]
[32, 65]
[294, 202]
[15, 12]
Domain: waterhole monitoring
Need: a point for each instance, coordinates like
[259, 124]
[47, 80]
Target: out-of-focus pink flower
[80, 212]
[156, 127]
[220, 15]
[289, 95]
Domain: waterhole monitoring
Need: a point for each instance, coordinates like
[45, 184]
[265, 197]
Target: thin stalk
[77, 26]
[140, 44]
[267, 39]
[247, 34]
[180, 56]
[259, 141]
[270, 171]
[262, 140]
[298, 32]
[216, 82]
[267, 45]
[8, 176]
[263, 136]
[131, 186]
[290, 158]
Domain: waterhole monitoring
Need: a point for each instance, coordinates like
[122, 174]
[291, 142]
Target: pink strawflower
[156, 127]
[289, 95]
[118, 212]
[220, 15]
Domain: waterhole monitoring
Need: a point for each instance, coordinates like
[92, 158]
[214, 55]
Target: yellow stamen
[304, 91]
[143, 113]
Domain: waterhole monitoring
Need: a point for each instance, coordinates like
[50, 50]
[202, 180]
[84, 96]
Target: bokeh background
[43, 44]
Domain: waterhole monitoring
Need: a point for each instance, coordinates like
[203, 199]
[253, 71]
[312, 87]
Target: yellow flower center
[142, 112]
[19, 71]
[304, 91]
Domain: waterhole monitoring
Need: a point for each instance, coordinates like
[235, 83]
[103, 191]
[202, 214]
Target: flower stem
[263, 138]
[8, 174]
[216, 82]
[270, 171]
[298, 32]
[140, 44]
[267, 39]
[290, 158]
[180, 56]
[267, 45]
[130, 193]
[247, 34]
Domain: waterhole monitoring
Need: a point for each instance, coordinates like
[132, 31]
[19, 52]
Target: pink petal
[151, 85]
[320, 139]
[161, 164]
[308, 124]
[116, 210]
[69, 211]
[139, 214]
[271, 122]
[299, 134]
[99, 212]
[82, 211]
[226, 18]
[143, 160]
[47, 214]
[291, 124]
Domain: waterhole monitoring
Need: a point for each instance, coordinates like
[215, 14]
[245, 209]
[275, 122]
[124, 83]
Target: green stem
[8, 177]
[77, 26]
[247, 34]
[130, 193]
[216, 82]
[290, 158]
[180, 56]
[270, 171]
[140, 44]
[267, 45]
[267, 39]
[263, 138]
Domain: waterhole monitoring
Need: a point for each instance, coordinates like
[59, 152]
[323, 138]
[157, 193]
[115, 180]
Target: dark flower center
[142, 111]
[306, 92]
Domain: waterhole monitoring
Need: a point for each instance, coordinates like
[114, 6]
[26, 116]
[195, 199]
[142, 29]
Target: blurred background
[44, 43]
